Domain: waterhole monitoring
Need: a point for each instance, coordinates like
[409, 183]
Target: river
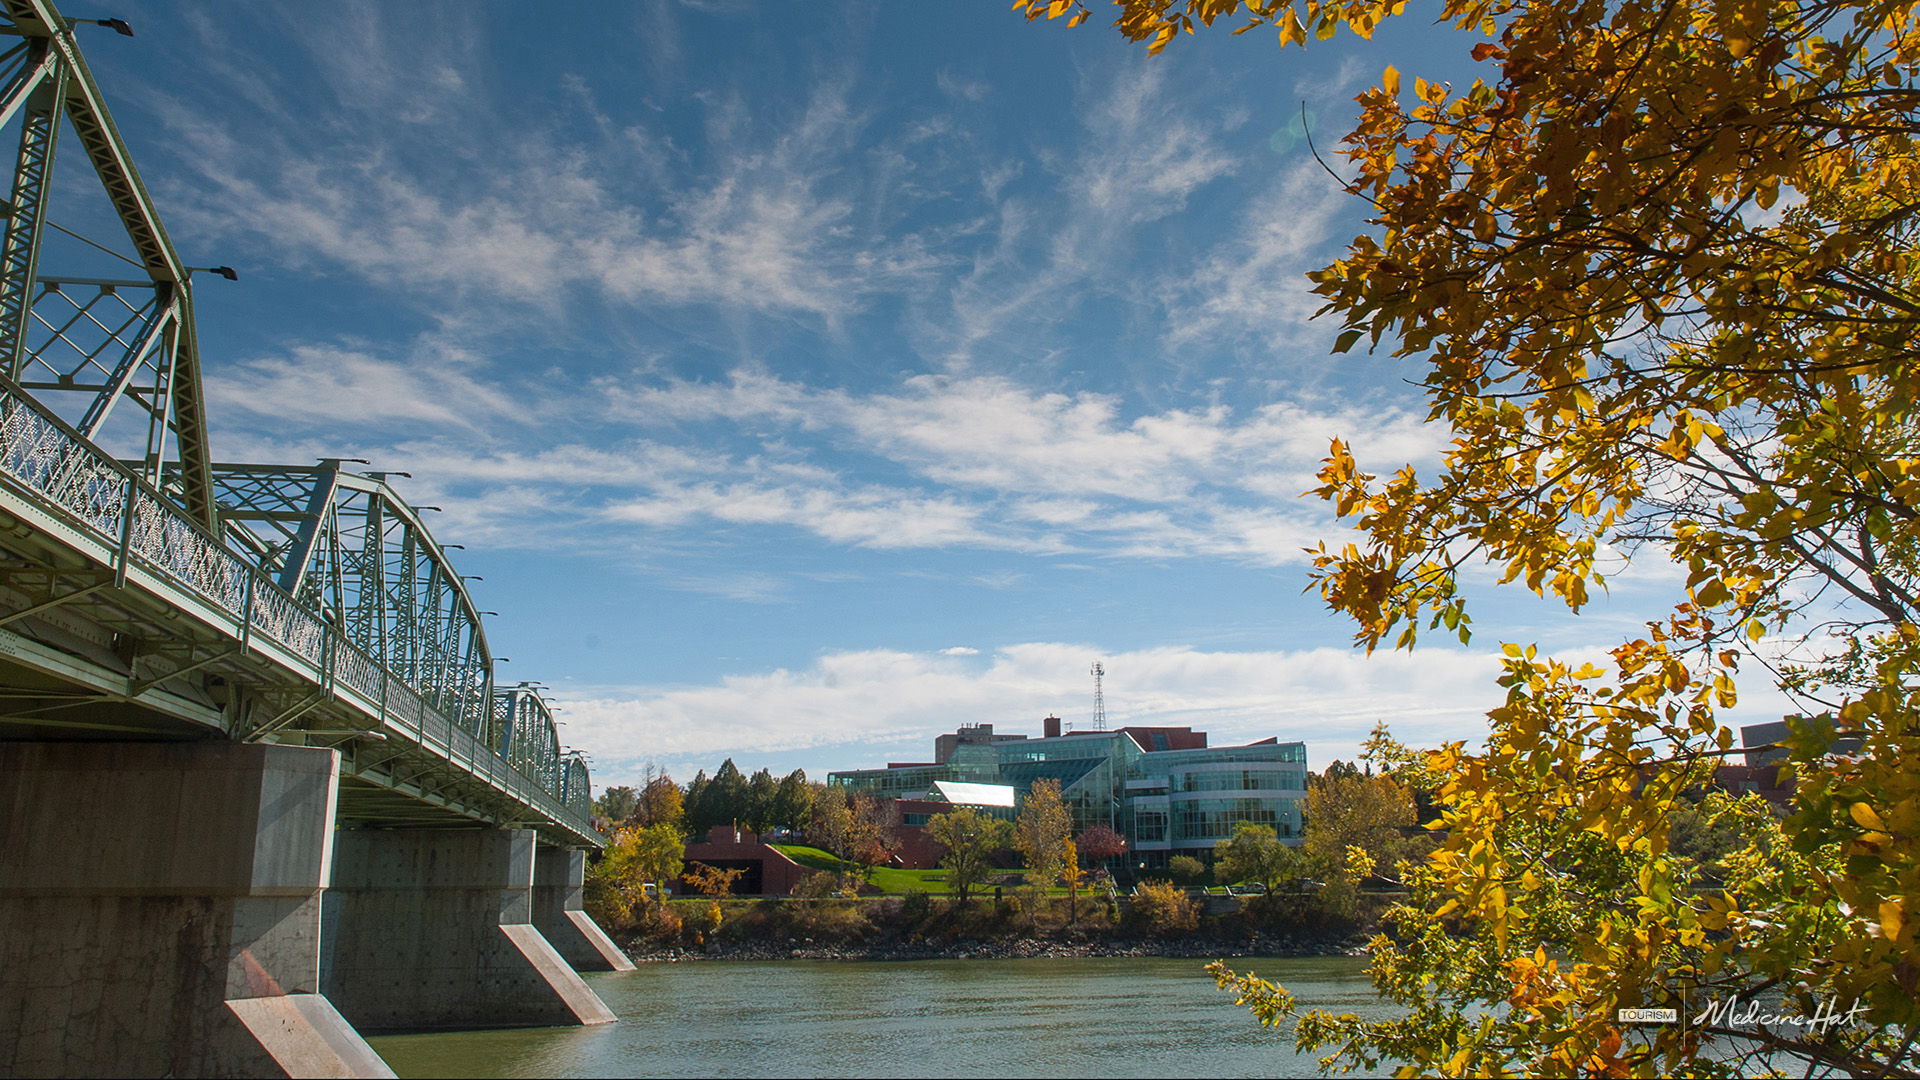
[1043, 1018]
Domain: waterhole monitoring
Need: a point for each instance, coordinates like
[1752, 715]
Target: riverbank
[923, 928]
[1195, 948]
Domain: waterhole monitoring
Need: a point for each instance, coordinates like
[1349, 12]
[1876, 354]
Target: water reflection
[1058, 1017]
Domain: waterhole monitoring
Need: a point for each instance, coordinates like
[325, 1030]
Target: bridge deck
[122, 618]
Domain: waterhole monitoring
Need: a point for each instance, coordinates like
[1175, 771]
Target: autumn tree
[1099, 843]
[1347, 809]
[873, 832]
[1042, 832]
[972, 839]
[712, 882]
[659, 803]
[832, 827]
[638, 855]
[1656, 269]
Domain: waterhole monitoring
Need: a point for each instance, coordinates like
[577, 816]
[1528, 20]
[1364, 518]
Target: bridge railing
[82, 483]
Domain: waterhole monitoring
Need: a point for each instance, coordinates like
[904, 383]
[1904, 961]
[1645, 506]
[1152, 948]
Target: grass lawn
[886, 879]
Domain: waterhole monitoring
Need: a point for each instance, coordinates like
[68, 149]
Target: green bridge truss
[148, 591]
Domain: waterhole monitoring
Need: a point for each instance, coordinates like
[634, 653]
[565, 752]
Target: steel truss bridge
[148, 591]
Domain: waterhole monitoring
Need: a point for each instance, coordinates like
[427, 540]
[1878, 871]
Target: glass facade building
[1164, 800]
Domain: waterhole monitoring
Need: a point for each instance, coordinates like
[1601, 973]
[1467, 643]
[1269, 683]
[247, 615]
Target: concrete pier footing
[429, 929]
[160, 911]
[559, 875]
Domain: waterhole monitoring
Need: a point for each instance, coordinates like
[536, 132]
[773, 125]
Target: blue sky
[806, 379]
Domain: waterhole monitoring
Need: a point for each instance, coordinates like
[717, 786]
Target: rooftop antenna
[1098, 671]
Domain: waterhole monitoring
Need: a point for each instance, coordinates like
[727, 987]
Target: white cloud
[767, 221]
[869, 703]
[342, 386]
[959, 650]
[979, 462]
[1254, 285]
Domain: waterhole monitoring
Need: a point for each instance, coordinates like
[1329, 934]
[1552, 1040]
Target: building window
[1216, 819]
[914, 819]
[1243, 780]
[1159, 740]
[1150, 825]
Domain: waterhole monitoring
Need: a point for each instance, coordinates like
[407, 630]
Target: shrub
[1161, 908]
[606, 905]
[655, 920]
[915, 905]
[1186, 869]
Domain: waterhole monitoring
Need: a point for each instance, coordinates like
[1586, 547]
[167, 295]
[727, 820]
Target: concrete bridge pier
[559, 877]
[433, 928]
[160, 911]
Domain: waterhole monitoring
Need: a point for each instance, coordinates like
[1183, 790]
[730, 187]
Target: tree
[1255, 854]
[725, 800]
[972, 839]
[1071, 875]
[659, 803]
[638, 855]
[693, 807]
[1407, 767]
[1351, 810]
[1099, 843]
[614, 803]
[758, 813]
[793, 802]
[832, 826]
[873, 834]
[711, 881]
[1659, 277]
[1042, 832]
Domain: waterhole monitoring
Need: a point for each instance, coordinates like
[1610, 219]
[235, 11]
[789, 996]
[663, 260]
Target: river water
[1110, 1017]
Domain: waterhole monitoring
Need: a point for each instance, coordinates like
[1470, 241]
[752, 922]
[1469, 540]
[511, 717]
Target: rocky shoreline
[1266, 945]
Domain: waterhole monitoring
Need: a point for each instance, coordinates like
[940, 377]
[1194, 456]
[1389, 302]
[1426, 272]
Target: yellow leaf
[1864, 815]
[1892, 916]
[1390, 81]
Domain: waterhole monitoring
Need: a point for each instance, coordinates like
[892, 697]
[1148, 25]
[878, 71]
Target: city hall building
[1162, 788]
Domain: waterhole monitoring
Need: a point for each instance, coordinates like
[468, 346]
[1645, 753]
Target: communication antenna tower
[1098, 671]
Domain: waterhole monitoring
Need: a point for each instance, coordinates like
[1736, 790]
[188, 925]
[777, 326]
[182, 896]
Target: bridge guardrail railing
[42, 453]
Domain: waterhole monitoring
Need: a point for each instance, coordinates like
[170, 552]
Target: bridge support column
[160, 912]
[433, 928]
[559, 876]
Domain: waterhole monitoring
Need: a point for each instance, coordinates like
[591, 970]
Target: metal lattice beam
[85, 345]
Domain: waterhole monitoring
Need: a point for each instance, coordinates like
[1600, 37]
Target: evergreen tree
[694, 808]
[727, 795]
[793, 802]
[761, 791]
